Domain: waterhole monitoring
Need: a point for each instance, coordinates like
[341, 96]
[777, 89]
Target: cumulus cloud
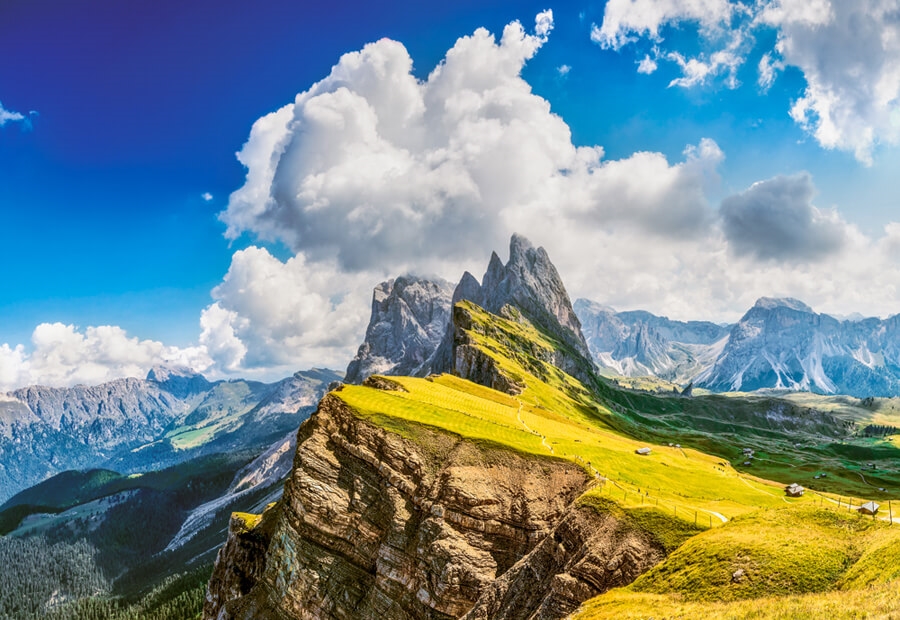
[624, 21]
[776, 220]
[371, 173]
[206, 196]
[563, 70]
[273, 315]
[62, 355]
[848, 52]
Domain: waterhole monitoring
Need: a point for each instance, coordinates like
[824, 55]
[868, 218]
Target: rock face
[778, 344]
[373, 525]
[123, 424]
[784, 344]
[638, 343]
[586, 554]
[410, 331]
[409, 318]
[529, 283]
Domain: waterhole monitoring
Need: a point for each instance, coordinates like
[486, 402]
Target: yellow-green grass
[783, 553]
[246, 520]
[881, 601]
[556, 416]
[671, 479]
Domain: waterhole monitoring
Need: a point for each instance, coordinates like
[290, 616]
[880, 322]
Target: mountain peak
[771, 303]
[179, 381]
[409, 316]
[162, 373]
[529, 282]
[518, 247]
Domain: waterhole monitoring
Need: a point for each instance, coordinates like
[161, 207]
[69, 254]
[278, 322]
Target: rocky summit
[409, 318]
[785, 344]
[529, 284]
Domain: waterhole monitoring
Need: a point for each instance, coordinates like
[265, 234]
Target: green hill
[694, 473]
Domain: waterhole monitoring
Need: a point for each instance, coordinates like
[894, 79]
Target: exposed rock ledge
[374, 525]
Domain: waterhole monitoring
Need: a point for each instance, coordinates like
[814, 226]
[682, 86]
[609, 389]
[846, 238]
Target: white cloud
[647, 65]
[768, 70]
[848, 52]
[7, 116]
[624, 21]
[364, 175]
[279, 316]
[206, 196]
[543, 23]
[563, 70]
[372, 173]
[62, 355]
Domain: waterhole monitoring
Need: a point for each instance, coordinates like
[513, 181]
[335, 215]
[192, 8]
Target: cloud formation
[848, 52]
[776, 220]
[371, 173]
[63, 355]
[7, 116]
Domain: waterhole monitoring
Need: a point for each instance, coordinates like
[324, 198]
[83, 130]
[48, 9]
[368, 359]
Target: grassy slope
[785, 546]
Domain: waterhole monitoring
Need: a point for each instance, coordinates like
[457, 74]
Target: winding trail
[533, 432]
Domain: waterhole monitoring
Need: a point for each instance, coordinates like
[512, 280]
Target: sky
[220, 185]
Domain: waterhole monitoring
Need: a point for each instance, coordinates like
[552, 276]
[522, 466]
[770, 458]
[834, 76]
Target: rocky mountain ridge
[785, 344]
[411, 332]
[409, 318]
[135, 424]
[778, 344]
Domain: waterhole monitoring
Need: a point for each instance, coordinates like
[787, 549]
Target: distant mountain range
[778, 344]
[136, 424]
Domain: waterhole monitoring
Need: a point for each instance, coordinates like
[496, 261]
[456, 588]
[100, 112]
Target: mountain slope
[132, 424]
[409, 318]
[784, 344]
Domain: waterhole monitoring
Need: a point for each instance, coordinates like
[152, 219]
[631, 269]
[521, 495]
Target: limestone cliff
[530, 285]
[427, 525]
[409, 318]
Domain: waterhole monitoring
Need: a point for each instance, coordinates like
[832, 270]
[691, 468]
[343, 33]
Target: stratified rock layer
[376, 525]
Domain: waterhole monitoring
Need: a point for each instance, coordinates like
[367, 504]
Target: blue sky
[122, 120]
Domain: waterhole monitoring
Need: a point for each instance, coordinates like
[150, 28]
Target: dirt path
[533, 432]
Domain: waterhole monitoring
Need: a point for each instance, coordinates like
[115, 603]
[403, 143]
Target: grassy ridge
[789, 553]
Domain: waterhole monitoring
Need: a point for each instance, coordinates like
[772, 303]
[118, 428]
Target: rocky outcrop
[409, 318]
[530, 284]
[638, 343]
[375, 525]
[586, 554]
[241, 560]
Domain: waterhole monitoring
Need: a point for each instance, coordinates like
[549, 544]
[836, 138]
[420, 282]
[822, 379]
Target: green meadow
[733, 516]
